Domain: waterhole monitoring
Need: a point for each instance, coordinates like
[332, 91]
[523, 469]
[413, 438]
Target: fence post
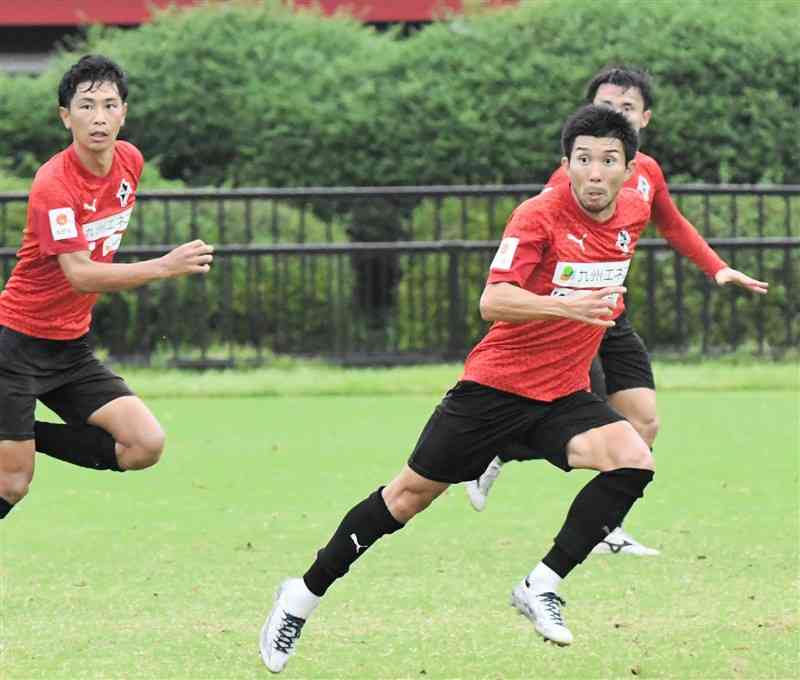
[455, 344]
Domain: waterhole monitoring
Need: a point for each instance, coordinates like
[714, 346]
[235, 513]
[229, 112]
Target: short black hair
[599, 121]
[94, 69]
[624, 77]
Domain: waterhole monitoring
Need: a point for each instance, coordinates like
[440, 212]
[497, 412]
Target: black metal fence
[288, 280]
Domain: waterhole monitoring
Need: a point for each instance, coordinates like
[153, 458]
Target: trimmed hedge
[254, 95]
[239, 94]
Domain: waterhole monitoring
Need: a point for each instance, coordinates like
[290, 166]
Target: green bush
[244, 94]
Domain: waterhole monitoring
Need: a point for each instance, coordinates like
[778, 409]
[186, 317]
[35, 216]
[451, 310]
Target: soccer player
[78, 209]
[622, 372]
[525, 384]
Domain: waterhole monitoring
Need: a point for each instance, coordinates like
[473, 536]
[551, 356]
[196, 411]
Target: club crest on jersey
[124, 192]
[623, 240]
[643, 187]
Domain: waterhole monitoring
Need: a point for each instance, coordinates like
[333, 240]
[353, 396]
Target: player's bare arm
[88, 276]
[507, 302]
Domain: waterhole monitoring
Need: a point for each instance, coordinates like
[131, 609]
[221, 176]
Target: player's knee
[14, 486]
[647, 427]
[626, 449]
[145, 451]
[16, 469]
[634, 455]
[409, 502]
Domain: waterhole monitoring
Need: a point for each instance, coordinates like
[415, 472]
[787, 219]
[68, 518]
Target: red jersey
[69, 210]
[551, 247]
[648, 180]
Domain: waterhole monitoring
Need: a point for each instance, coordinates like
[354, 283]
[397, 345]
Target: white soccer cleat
[280, 632]
[478, 489]
[621, 542]
[544, 611]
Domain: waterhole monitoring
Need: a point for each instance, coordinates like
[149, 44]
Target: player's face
[628, 102]
[95, 116]
[597, 171]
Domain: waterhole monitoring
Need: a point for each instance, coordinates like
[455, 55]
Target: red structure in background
[394, 11]
[133, 12]
[31, 29]
[78, 12]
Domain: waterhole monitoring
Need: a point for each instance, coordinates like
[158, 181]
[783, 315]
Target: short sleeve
[139, 162]
[523, 244]
[132, 158]
[52, 218]
[558, 178]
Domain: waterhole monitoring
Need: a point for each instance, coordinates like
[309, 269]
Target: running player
[621, 371]
[525, 384]
[78, 209]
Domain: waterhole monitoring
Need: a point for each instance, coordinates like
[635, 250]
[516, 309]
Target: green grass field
[168, 573]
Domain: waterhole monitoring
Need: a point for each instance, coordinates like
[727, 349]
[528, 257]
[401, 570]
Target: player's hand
[194, 257]
[727, 275]
[592, 306]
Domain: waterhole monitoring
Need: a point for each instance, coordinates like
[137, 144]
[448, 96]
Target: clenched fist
[194, 257]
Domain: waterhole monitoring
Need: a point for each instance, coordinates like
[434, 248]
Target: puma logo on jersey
[579, 241]
[359, 547]
[92, 207]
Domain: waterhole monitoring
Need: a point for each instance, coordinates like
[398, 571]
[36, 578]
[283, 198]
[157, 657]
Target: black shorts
[64, 375]
[622, 362]
[474, 423]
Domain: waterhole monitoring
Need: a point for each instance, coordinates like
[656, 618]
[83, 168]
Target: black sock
[5, 507]
[84, 445]
[620, 524]
[360, 528]
[597, 510]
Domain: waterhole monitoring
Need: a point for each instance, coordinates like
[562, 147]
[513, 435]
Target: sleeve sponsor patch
[505, 254]
[62, 223]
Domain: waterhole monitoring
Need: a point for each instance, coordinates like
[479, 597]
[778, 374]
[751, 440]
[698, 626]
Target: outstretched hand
[194, 257]
[727, 275]
[590, 307]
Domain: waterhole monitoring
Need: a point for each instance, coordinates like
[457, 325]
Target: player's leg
[629, 382]
[383, 512]
[16, 472]
[585, 433]
[638, 405]
[631, 391]
[138, 435]
[478, 489]
[450, 449]
[18, 392]
[106, 427]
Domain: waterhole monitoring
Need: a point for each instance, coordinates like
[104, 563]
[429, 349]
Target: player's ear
[645, 118]
[565, 162]
[630, 168]
[124, 113]
[64, 115]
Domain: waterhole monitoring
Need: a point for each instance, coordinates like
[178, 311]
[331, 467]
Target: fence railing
[417, 300]
[430, 213]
